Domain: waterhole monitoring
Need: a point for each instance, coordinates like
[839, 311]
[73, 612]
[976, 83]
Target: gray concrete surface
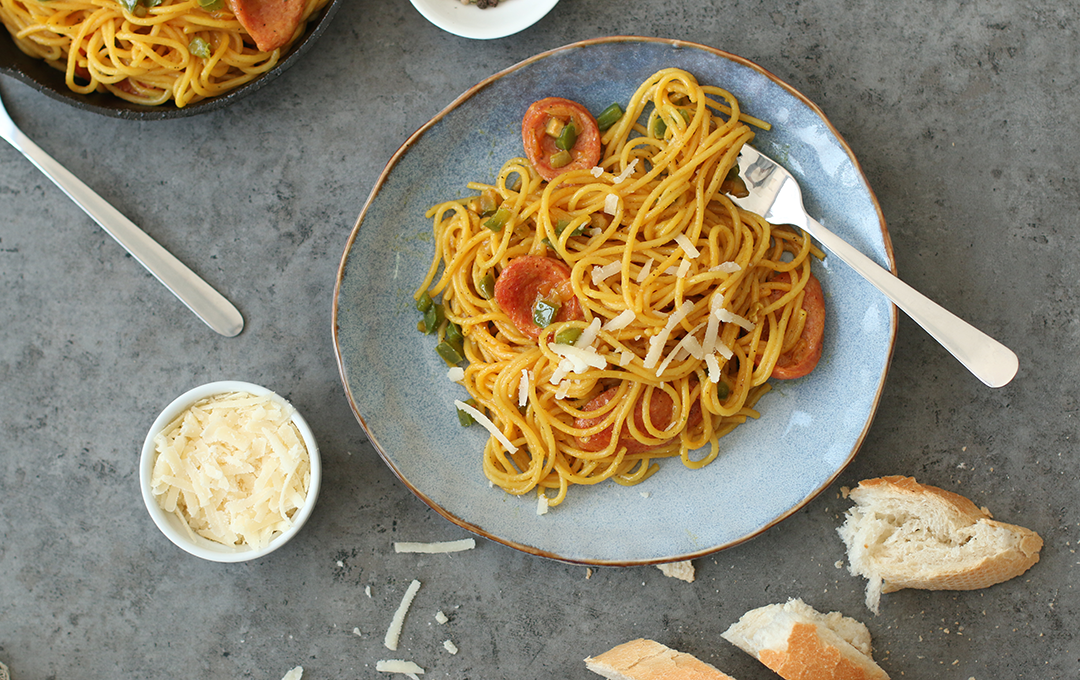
[966, 118]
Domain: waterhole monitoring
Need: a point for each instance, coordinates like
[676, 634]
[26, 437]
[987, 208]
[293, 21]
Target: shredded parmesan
[561, 371]
[684, 269]
[625, 174]
[541, 503]
[657, 342]
[624, 319]
[611, 204]
[398, 666]
[563, 389]
[714, 368]
[437, 547]
[456, 374]
[582, 358]
[726, 267]
[294, 674]
[596, 171]
[487, 424]
[393, 633]
[625, 357]
[684, 242]
[450, 647]
[600, 274]
[731, 317]
[233, 468]
[644, 273]
[523, 387]
[440, 617]
[588, 336]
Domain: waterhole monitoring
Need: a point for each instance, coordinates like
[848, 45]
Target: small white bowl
[469, 21]
[173, 527]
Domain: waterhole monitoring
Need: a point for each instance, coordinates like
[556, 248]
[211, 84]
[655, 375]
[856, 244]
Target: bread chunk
[648, 660]
[902, 534]
[800, 643]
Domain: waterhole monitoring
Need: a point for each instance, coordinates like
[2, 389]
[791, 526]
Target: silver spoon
[208, 304]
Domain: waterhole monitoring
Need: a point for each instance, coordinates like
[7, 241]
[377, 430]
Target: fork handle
[208, 304]
[989, 360]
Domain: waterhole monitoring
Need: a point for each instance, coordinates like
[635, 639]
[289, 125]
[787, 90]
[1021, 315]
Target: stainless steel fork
[208, 304]
[775, 195]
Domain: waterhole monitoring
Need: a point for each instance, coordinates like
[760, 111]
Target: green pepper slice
[567, 138]
[568, 335]
[609, 116]
[497, 221]
[486, 287]
[449, 353]
[544, 311]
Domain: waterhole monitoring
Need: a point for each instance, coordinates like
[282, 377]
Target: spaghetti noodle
[680, 303]
[171, 50]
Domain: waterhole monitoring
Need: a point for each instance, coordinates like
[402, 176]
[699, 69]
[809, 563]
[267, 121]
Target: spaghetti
[171, 50]
[675, 309]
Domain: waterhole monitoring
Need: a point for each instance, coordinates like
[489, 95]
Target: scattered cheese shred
[726, 267]
[294, 674]
[393, 633]
[437, 547]
[657, 342]
[611, 204]
[450, 647]
[644, 273]
[233, 468]
[731, 317]
[624, 319]
[625, 357]
[600, 274]
[398, 666]
[456, 374]
[714, 368]
[440, 617]
[582, 358]
[625, 174]
[561, 371]
[541, 504]
[523, 387]
[683, 270]
[487, 424]
[684, 242]
[596, 171]
[563, 389]
[588, 336]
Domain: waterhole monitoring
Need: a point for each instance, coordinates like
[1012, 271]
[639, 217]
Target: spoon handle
[208, 304]
[989, 360]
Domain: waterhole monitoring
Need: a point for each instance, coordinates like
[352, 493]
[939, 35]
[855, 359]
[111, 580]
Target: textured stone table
[964, 116]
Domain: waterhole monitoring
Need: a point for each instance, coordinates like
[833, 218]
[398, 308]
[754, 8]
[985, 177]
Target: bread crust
[644, 659]
[808, 657]
[970, 549]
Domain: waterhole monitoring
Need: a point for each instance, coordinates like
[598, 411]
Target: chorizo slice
[529, 280]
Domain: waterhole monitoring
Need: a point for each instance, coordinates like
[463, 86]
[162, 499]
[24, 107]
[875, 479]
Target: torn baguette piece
[902, 534]
[643, 659]
[800, 643]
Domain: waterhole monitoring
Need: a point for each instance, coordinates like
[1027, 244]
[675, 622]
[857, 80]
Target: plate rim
[469, 93]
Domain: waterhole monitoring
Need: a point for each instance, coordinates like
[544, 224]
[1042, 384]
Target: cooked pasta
[681, 304]
[173, 50]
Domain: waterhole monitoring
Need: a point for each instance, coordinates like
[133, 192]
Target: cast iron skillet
[50, 82]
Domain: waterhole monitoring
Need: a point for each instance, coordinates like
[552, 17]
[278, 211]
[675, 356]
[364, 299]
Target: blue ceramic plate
[768, 468]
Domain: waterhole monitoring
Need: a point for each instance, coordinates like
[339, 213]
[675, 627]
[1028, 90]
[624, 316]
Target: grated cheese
[563, 389]
[393, 633]
[601, 273]
[456, 374]
[625, 357]
[683, 270]
[731, 317]
[398, 666]
[687, 246]
[611, 204]
[596, 171]
[541, 504]
[294, 674]
[487, 424]
[624, 319]
[726, 267]
[233, 468]
[437, 547]
[644, 273]
[561, 371]
[588, 336]
[440, 617]
[523, 387]
[714, 368]
[450, 647]
[625, 174]
[582, 358]
[657, 342]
